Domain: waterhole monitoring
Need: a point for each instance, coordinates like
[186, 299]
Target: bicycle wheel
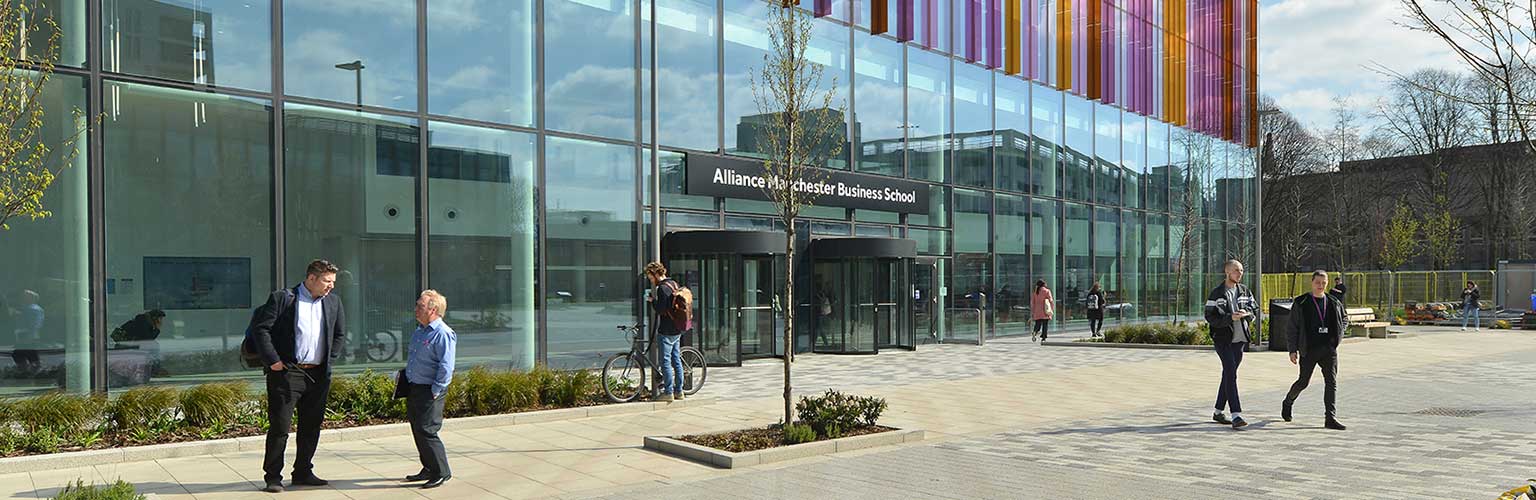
[695, 369]
[381, 346]
[623, 378]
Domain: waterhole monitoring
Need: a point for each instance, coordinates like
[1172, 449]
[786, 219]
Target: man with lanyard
[1231, 312]
[1316, 329]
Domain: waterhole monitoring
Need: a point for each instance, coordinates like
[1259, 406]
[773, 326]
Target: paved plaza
[1436, 414]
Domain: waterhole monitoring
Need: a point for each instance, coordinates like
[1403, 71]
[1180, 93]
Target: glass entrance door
[862, 305]
[757, 318]
[923, 294]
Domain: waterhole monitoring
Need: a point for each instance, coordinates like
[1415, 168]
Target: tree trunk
[789, 317]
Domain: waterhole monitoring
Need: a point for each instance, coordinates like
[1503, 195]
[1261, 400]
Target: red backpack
[680, 311]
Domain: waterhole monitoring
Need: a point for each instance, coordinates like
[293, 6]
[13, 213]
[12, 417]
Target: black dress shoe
[1238, 423]
[273, 488]
[1285, 411]
[1220, 418]
[1334, 424]
[309, 480]
[419, 476]
[435, 482]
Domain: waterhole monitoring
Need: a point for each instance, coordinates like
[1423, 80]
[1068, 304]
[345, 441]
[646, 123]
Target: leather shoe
[1334, 424]
[273, 488]
[419, 476]
[1220, 418]
[1285, 411]
[1238, 423]
[435, 482]
[309, 480]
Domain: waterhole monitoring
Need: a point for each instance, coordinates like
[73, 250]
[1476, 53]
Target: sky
[1311, 51]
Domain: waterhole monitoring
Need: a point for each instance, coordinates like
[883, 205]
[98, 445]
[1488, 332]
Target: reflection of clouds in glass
[611, 22]
[594, 99]
[880, 111]
[463, 15]
[312, 71]
[397, 12]
[687, 109]
[470, 77]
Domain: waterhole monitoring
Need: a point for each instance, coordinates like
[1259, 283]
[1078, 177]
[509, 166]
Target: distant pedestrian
[1316, 328]
[1096, 310]
[1042, 308]
[1339, 289]
[1470, 307]
[1231, 311]
[428, 370]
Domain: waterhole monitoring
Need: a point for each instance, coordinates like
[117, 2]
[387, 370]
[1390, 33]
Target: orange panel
[1014, 52]
[1064, 44]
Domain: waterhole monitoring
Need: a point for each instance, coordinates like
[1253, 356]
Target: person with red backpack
[673, 304]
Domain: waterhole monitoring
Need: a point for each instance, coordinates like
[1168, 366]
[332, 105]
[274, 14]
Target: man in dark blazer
[1316, 328]
[300, 333]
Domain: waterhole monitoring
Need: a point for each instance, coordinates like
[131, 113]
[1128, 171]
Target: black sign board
[712, 175]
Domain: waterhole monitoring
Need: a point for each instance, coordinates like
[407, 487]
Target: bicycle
[624, 373]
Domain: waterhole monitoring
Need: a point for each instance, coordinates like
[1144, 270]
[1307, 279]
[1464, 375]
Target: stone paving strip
[955, 393]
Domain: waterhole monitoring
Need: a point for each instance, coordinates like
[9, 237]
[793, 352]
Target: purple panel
[823, 8]
[994, 34]
[972, 50]
[1028, 43]
[1107, 43]
[930, 23]
[904, 20]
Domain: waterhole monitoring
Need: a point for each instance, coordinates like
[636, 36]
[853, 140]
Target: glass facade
[507, 160]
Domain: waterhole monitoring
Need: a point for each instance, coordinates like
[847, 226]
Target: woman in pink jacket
[1041, 308]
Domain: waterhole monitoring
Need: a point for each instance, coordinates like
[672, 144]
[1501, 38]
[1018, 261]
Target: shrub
[574, 387]
[116, 491]
[215, 405]
[798, 433]
[62, 414]
[833, 413]
[142, 410]
[42, 441]
[480, 391]
[1160, 333]
[10, 442]
[366, 396]
[544, 379]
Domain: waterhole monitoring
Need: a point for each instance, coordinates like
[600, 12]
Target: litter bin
[1279, 322]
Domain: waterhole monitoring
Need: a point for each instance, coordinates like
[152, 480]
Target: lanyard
[1322, 314]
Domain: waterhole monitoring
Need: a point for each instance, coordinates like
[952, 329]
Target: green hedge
[1159, 333]
[58, 421]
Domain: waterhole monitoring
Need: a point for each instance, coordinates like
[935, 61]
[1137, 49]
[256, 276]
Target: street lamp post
[1258, 246]
[356, 67]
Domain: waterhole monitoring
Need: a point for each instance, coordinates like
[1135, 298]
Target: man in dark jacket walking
[1317, 326]
[1231, 311]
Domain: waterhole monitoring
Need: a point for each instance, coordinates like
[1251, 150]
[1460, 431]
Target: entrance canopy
[722, 242]
[834, 248]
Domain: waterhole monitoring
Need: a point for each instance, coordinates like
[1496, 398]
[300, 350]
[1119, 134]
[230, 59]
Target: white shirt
[308, 330]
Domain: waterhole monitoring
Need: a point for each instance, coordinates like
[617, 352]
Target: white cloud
[1313, 50]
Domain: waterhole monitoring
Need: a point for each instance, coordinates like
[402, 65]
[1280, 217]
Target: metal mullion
[423, 184]
[340, 106]
[181, 85]
[541, 277]
[471, 122]
[96, 198]
[589, 138]
[279, 103]
[655, 172]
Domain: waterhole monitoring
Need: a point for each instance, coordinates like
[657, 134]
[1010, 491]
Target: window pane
[1077, 157]
[929, 241]
[1046, 150]
[483, 245]
[45, 295]
[687, 77]
[351, 51]
[938, 209]
[1106, 251]
[1131, 256]
[1159, 170]
[927, 112]
[1134, 157]
[589, 67]
[878, 93]
[973, 126]
[68, 15]
[1044, 241]
[590, 216]
[354, 176]
[1159, 285]
[674, 180]
[204, 273]
[480, 60]
[1013, 108]
[680, 220]
[973, 220]
[1011, 224]
[746, 43]
[1078, 274]
[227, 43]
[1106, 171]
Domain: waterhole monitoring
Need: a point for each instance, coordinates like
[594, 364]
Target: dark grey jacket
[1299, 338]
[272, 328]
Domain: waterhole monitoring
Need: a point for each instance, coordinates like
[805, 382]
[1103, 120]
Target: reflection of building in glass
[162, 39]
[753, 132]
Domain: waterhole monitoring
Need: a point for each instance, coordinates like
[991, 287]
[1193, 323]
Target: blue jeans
[1472, 312]
[1231, 355]
[671, 364]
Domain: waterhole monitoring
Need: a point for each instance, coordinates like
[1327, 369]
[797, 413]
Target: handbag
[402, 387]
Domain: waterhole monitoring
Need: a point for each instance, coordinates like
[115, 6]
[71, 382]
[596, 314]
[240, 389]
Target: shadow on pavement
[1176, 428]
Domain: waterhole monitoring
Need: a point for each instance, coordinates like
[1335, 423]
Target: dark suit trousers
[287, 391]
[1231, 355]
[426, 415]
[1329, 361]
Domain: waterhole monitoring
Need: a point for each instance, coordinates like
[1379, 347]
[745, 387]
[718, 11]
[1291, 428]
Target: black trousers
[289, 390]
[1231, 355]
[1095, 325]
[1329, 361]
[1042, 326]
[426, 415]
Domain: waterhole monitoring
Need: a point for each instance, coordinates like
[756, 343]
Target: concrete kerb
[35, 463]
[732, 460]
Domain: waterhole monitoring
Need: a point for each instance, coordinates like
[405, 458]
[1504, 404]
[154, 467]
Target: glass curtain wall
[972, 138]
[590, 217]
[1010, 229]
[971, 295]
[1077, 274]
[1012, 137]
[880, 119]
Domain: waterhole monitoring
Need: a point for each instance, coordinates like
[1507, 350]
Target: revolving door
[737, 279]
[862, 295]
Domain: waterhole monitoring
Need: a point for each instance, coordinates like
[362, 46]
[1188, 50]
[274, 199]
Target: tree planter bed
[868, 437]
[250, 438]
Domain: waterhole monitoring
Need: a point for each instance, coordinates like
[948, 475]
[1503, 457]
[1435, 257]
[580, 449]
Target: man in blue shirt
[428, 371]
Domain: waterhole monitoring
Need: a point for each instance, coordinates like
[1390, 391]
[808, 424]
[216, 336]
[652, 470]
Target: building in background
[508, 164]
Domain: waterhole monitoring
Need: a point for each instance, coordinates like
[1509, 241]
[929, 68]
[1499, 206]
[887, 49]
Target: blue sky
[1313, 50]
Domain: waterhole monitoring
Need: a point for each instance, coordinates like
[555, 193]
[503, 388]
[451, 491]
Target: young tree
[1442, 231]
[803, 129]
[29, 47]
[1400, 238]
[1289, 152]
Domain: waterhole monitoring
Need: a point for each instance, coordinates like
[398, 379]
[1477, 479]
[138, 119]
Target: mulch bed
[763, 438]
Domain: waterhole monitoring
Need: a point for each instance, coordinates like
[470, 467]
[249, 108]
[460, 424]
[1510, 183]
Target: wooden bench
[1362, 322]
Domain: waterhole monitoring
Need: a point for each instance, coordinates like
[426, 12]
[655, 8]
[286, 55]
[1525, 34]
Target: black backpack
[249, 354]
